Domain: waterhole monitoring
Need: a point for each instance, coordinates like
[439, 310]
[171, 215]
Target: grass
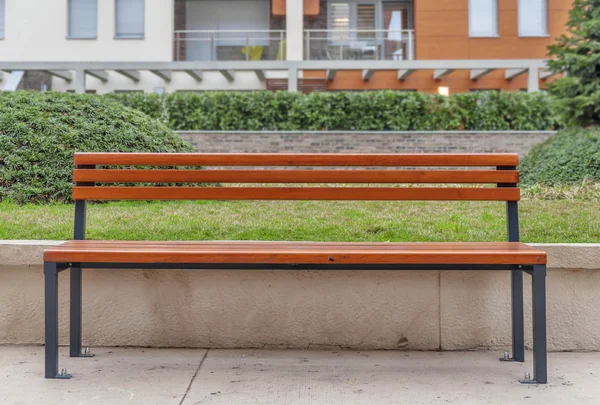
[542, 220]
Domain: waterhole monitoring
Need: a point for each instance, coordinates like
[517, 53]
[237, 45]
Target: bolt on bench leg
[540, 361]
[51, 322]
[76, 315]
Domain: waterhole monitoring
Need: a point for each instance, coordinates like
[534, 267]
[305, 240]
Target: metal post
[177, 51]
[51, 321]
[307, 33]
[80, 81]
[516, 279]
[533, 83]
[212, 45]
[540, 361]
[76, 317]
[76, 286]
[283, 50]
[293, 80]
[540, 369]
[410, 46]
[247, 46]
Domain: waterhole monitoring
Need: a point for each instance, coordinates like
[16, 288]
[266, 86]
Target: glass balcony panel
[358, 44]
[232, 45]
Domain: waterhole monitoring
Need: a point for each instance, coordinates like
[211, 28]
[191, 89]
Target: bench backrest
[498, 170]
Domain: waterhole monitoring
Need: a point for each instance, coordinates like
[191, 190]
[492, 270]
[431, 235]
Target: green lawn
[541, 221]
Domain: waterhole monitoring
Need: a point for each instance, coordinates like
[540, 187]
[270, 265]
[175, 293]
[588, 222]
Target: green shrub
[150, 104]
[39, 132]
[359, 111]
[571, 156]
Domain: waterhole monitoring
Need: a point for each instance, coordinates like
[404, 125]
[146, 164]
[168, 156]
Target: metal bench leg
[540, 361]
[518, 333]
[76, 315]
[51, 321]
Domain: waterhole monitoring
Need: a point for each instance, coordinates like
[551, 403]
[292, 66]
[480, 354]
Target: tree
[576, 55]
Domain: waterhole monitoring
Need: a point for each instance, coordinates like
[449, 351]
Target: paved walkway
[192, 377]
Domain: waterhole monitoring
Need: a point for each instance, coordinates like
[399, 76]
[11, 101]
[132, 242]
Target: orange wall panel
[311, 7]
[429, 48]
[439, 23]
[453, 23]
[560, 4]
[444, 5]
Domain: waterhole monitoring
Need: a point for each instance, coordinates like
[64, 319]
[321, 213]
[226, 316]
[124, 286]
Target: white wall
[36, 30]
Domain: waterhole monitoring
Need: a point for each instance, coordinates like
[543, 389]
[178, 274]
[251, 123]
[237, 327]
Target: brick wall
[365, 142]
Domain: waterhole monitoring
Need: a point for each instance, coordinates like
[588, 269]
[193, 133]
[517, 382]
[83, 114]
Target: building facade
[199, 45]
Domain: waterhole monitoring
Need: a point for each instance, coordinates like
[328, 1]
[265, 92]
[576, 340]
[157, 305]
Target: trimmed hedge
[39, 132]
[570, 156]
[358, 111]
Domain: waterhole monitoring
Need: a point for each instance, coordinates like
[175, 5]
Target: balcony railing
[232, 45]
[359, 44]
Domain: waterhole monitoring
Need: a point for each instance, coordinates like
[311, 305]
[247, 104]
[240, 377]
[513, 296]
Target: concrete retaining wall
[425, 310]
[364, 142]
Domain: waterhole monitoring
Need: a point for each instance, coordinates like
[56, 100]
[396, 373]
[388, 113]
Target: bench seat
[90, 251]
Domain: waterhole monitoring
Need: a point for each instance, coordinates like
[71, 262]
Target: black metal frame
[52, 269]
[538, 273]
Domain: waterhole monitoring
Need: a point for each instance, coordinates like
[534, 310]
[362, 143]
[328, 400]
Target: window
[365, 21]
[352, 19]
[83, 19]
[533, 18]
[483, 18]
[339, 20]
[129, 18]
[1, 19]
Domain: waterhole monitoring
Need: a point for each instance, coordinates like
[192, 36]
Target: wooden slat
[296, 176]
[295, 193]
[292, 159]
[297, 253]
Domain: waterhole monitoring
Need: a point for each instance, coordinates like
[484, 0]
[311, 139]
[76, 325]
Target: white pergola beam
[286, 65]
[228, 74]
[194, 74]
[101, 75]
[546, 74]
[439, 74]
[260, 74]
[130, 74]
[331, 74]
[367, 74]
[477, 74]
[403, 74]
[512, 73]
[163, 74]
[61, 74]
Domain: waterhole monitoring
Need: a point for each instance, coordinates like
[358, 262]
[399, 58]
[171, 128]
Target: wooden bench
[497, 171]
